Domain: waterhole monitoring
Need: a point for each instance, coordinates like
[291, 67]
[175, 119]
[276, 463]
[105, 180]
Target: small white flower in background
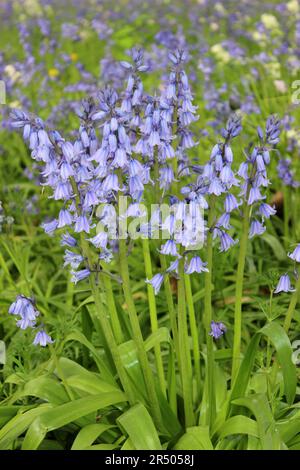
[280, 86]
[269, 21]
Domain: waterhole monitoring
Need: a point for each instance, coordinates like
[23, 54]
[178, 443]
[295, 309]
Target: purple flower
[110, 183]
[284, 285]
[196, 265]
[217, 329]
[50, 227]
[72, 259]
[80, 275]
[100, 240]
[156, 282]
[296, 254]
[42, 339]
[68, 240]
[225, 239]
[254, 195]
[25, 322]
[256, 228]
[169, 248]
[173, 266]
[266, 210]
[230, 203]
[224, 221]
[82, 224]
[64, 218]
[23, 307]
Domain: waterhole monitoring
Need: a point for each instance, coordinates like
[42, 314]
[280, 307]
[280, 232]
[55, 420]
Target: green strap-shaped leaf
[238, 425]
[67, 413]
[268, 433]
[88, 435]
[137, 423]
[281, 342]
[195, 438]
[46, 389]
[17, 425]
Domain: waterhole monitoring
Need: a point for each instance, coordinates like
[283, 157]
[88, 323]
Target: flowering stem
[185, 356]
[136, 331]
[208, 317]
[106, 328]
[116, 326]
[236, 353]
[101, 313]
[292, 306]
[194, 330]
[171, 308]
[153, 313]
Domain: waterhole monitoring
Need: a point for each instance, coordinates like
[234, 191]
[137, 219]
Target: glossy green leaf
[88, 435]
[195, 438]
[137, 423]
[67, 413]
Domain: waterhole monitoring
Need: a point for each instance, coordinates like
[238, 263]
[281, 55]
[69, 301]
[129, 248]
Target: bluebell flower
[169, 248]
[63, 190]
[273, 130]
[24, 307]
[225, 239]
[72, 259]
[156, 282]
[166, 177]
[42, 339]
[64, 218]
[217, 329]
[256, 228]
[224, 221]
[68, 240]
[266, 210]
[196, 265]
[111, 183]
[50, 227]
[296, 254]
[284, 284]
[80, 275]
[254, 195]
[66, 170]
[82, 224]
[286, 174]
[230, 203]
[100, 240]
[173, 267]
[25, 323]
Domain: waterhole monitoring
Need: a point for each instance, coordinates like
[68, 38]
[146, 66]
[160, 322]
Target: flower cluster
[284, 283]
[254, 173]
[24, 308]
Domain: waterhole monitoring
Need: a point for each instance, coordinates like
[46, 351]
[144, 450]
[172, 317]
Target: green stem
[292, 306]
[208, 317]
[136, 331]
[194, 331]
[116, 326]
[101, 315]
[185, 361]
[153, 313]
[109, 336]
[236, 353]
[170, 303]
